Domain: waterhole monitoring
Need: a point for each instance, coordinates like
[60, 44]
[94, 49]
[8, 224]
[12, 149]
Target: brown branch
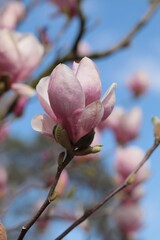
[127, 182]
[125, 42]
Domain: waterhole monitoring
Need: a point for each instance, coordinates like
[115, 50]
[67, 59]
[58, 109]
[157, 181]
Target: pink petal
[108, 101]
[9, 56]
[23, 89]
[42, 91]
[11, 14]
[90, 118]
[65, 92]
[31, 52]
[89, 79]
[43, 124]
[75, 67]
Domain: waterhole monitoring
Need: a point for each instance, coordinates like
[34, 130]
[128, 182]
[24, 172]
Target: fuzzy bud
[61, 137]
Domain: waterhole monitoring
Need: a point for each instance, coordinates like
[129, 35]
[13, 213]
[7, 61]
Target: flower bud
[61, 137]
[89, 150]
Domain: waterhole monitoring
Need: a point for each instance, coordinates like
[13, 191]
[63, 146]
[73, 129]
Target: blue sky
[116, 19]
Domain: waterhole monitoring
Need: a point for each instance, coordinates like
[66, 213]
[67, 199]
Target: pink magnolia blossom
[126, 159]
[69, 7]
[129, 218]
[11, 14]
[138, 84]
[125, 125]
[20, 54]
[71, 98]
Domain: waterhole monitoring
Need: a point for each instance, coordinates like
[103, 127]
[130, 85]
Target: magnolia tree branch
[50, 198]
[125, 42]
[129, 180]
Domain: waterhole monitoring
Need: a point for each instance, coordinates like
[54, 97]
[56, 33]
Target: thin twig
[90, 211]
[50, 198]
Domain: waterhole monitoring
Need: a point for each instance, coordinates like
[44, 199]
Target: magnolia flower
[71, 98]
[129, 218]
[126, 159]
[138, 84]
[69, 7]
[125, 125]
[20, 54]
[11, 14]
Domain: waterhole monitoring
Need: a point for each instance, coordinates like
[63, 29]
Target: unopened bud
[52, 196]
[89, 150]
[130, 180]
[156, 123]
[97, 148]
[61, 137]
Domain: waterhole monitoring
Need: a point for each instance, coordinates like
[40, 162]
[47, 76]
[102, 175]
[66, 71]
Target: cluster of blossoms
[129, 215]
[74, 108]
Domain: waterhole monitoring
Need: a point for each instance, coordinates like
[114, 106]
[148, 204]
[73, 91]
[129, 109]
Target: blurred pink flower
[129, 218]
[125, 125]
[138, 84]
[133, 195]
[20, 54]
[72, 99]
[11, 14]
[69, 7]
[20, 106]
[62, 183]
[83, 48]
[126, 159]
